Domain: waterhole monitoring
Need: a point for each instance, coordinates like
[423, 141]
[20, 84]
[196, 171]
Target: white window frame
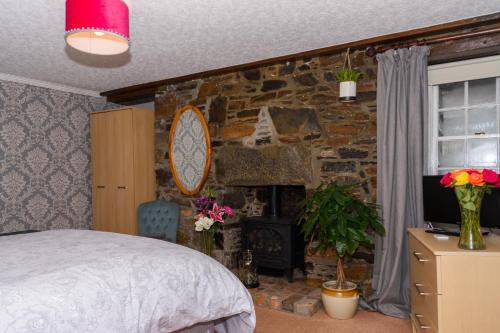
[459, 71]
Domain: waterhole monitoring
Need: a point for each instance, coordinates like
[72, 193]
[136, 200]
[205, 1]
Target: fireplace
[275, 238]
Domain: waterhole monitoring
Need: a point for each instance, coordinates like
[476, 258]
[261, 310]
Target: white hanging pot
[347, 91]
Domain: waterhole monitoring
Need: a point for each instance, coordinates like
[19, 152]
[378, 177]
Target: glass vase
[208, 238]
[469, 199]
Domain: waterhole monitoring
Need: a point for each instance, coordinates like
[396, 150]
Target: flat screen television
[441, 205]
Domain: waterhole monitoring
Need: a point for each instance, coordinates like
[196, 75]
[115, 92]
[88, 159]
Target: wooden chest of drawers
[453, 290]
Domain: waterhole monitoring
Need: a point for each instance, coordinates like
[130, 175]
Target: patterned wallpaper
[44, 158]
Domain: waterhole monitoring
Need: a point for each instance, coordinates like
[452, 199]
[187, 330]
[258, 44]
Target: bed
[90, 281]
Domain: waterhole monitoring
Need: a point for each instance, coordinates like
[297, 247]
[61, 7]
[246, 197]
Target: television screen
[441, 205]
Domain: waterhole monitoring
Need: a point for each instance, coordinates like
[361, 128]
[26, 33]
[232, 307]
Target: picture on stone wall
[190, 150]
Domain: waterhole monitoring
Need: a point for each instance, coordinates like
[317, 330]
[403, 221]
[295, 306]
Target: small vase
[208, 238]
[469, 199]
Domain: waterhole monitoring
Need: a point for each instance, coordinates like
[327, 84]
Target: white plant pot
[340, 303]
[347, 92]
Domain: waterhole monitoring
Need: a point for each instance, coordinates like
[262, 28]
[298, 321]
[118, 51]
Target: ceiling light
[97, 26]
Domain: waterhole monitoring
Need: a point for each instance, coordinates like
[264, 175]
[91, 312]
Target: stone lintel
[273, 165]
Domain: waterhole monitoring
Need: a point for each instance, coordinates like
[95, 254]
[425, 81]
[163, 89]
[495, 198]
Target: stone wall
[279, 124]
[289, 110]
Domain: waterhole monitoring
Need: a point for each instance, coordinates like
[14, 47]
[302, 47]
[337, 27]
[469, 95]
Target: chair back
[159, 219]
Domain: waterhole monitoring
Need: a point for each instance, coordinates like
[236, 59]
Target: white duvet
[89, 281]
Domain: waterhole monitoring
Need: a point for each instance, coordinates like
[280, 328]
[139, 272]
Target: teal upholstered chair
[159, 219]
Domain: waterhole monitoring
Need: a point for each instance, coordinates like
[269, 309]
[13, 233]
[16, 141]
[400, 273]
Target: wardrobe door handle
[420, 292]
[417, 255]
[422, 326]
[101, 186]
[122, 187]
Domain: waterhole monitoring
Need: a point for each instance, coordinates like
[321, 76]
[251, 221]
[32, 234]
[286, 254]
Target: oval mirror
[190, 151]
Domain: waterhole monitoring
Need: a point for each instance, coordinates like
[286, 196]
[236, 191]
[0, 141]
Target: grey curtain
[402, 104]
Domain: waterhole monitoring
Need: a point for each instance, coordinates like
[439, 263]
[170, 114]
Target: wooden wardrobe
[122, 157]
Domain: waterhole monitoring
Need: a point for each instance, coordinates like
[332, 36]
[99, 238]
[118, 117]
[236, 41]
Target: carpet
[272, 321]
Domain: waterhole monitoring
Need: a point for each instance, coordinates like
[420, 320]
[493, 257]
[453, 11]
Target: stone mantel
[271, 165]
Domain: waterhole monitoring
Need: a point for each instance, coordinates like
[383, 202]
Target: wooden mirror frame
[208, 157]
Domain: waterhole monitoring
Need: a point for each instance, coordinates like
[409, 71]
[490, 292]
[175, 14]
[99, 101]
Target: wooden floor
[272, 321]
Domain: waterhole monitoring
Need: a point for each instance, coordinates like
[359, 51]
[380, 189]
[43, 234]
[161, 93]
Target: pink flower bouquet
[210, 217]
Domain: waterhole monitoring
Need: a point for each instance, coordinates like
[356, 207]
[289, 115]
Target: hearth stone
[306, 307]
[298, 297]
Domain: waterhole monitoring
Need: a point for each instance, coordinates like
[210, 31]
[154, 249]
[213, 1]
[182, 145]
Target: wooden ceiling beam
[148, 90]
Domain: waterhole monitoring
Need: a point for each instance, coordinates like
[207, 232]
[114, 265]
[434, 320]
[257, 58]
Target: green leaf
[355, 234]
[352, 245]
[378, 227]
[341, 247]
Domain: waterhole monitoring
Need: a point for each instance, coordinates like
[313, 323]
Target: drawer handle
[101, 186]
[417, 255]
[422, 326]
[122, 187]
[420, 292]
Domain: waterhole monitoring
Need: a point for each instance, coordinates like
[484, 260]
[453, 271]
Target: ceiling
[179, 37]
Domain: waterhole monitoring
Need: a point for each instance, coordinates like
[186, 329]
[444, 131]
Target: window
[464, 114]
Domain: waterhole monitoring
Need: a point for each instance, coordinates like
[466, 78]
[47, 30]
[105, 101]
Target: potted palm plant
[347, 78]
[335, 219]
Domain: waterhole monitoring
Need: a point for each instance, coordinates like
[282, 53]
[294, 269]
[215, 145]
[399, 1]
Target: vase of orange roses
[470, 185]
[210, 217]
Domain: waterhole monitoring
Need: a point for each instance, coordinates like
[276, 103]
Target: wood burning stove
[275, 239]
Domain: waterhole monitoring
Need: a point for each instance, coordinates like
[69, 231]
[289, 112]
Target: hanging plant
[347, 78]
[346, 74]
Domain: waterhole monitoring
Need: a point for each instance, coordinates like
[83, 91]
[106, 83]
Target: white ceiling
[171, 38]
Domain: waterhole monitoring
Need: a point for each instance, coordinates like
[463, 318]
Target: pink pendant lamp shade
[97, 26]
